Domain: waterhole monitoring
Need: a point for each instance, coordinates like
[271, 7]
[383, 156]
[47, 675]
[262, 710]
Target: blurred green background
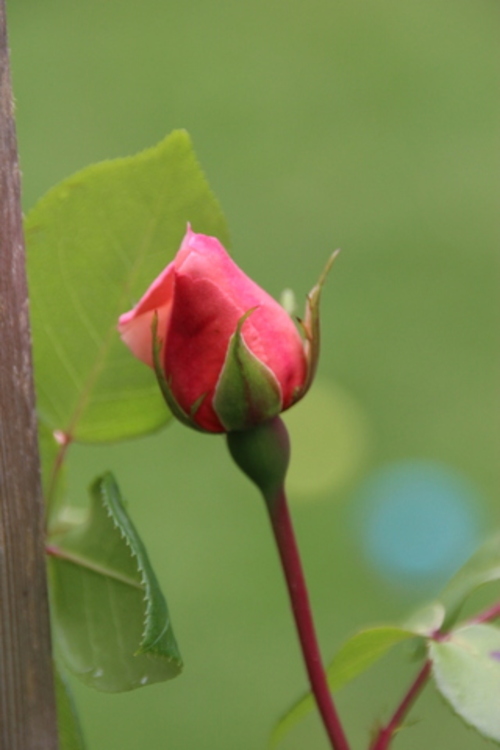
[369, 126]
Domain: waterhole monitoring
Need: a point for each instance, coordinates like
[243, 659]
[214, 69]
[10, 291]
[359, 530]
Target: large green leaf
[68, 725]
[483, 567]
[95, 243]
[354, 657]
[111, 622]
[466, 668]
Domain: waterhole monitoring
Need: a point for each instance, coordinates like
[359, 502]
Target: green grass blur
[365, 125]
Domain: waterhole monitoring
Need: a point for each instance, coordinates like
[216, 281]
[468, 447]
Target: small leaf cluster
[464, 655]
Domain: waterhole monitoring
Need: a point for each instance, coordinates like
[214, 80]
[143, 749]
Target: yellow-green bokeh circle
[329, 436]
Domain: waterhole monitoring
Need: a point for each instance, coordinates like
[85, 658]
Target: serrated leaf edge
[141, 569]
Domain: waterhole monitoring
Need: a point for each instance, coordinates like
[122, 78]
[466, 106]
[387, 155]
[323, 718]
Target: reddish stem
[297, 589]
[489, 614]
[385, 735]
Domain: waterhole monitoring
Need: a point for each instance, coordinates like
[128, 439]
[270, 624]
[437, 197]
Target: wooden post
[27, 703]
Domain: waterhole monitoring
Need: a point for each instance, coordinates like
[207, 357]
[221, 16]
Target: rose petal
[134, 326]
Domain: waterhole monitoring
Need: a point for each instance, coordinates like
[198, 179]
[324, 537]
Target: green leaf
[483, 567]
[353, 658]
[111, 622]
[466, 668]
[427, 620]
[363, 650]
[68, 725]
[95, 243]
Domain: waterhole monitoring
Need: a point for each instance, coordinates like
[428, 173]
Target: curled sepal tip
[311, 327]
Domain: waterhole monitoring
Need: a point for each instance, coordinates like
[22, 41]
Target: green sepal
[170, 400]
[247, 392]
[311, 329]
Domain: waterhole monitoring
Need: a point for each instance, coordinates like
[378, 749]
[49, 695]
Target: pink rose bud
[227, 356]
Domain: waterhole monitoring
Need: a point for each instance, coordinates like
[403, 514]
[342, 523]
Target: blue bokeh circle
[418, 520]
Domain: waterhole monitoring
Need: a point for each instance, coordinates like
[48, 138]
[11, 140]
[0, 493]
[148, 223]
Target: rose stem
[386, 734]
[489, 614]
[299, 599]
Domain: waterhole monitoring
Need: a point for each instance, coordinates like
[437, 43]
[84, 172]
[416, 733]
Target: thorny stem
[386, 734]
[299, 599]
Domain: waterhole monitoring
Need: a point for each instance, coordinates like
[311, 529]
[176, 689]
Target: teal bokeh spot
[418, 521]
